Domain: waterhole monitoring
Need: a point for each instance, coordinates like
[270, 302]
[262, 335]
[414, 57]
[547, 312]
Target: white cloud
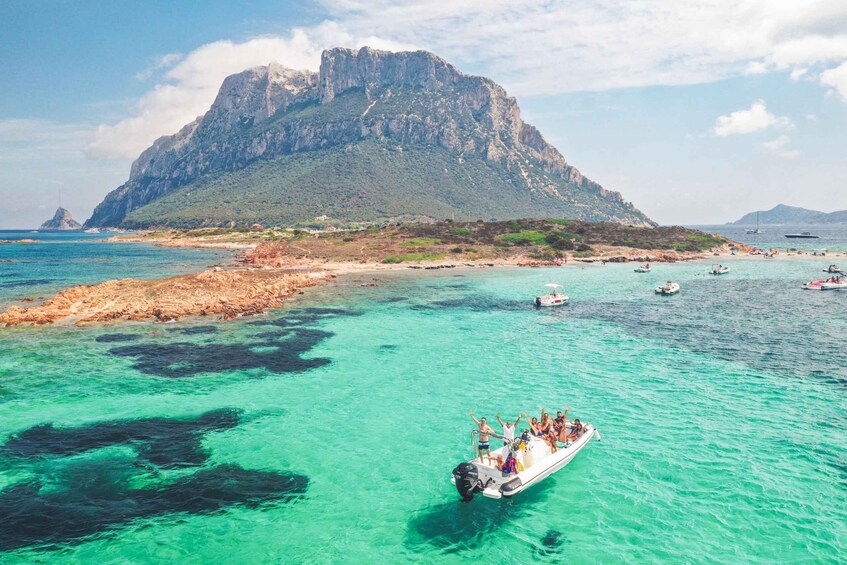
[836, 78]
[162, 62]
[779, 147]
[798, 73]
[756, 68]
[812, 117]
[530, 47]
[192, 82]
[756, 118]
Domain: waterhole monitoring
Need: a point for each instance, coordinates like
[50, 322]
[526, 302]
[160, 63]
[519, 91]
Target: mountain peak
[343, 69]
[61, 220]
[373, 136]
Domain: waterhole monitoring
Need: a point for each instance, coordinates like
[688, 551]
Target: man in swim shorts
[484, 430]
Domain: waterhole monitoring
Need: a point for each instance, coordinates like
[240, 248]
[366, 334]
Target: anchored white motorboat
[720, 270]
[643, 269]
[92, 230]
[534, 460]
[835, 283]
[552, 299]
[668, 288]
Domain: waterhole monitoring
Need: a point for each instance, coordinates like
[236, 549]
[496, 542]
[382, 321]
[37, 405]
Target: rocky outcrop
[61, 220]
[227, 294]
[407, 99]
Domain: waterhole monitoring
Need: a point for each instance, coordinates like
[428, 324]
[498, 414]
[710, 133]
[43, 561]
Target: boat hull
[538, 464]
[665, 291]
[548, 300]
[533, 475]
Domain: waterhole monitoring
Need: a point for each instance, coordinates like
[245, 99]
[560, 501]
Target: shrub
[348, 238]
[413, 257]
[459, 231]
[546, 254]
[421, 242]
[514, 225]
[522, 238]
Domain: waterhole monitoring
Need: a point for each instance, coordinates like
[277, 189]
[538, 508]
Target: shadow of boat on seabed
[456, 526]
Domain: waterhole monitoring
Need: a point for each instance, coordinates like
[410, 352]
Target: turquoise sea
[326, 431]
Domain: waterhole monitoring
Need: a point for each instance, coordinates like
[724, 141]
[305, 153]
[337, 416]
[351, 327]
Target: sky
[696, 111]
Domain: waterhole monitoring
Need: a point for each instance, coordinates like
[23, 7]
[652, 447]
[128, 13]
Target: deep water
[326, 431]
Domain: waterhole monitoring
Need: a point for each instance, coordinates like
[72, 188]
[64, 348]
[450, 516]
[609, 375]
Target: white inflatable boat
[720, 270]
[668, 288]
[534, 462]
[644, 269]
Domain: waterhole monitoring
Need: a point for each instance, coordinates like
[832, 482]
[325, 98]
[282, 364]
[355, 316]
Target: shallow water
[327, 431]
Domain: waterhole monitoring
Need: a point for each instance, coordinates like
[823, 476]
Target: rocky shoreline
[218, 292]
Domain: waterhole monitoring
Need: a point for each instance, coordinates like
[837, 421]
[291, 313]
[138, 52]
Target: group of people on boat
[551, 430]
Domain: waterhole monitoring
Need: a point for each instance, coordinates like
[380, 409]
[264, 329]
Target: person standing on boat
[484, 430]
[508, 429]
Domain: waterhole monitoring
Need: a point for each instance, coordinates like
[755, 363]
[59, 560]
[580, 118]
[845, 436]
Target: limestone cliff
[374, 135]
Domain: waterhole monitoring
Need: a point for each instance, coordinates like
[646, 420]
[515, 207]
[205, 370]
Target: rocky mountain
[373, 136]
[782, 214]
[61, 220]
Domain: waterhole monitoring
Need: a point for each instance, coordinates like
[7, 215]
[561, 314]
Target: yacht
[757, 230]
[801, 235]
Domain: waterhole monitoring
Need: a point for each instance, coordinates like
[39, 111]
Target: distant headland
[782, 214]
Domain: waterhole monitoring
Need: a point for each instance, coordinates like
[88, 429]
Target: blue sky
[697, 114]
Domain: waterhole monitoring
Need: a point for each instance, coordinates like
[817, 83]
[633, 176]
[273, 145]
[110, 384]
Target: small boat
[720, 270]
[832, 269]
[801, 235]
[92, 230]
[835, 283]
[534, 461]
[668, 288]
[643, 269]
[552, 299]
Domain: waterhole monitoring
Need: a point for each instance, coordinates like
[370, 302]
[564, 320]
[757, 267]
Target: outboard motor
[538, 302]
[467, 481]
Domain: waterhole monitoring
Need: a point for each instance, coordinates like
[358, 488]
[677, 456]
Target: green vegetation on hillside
[360, 182]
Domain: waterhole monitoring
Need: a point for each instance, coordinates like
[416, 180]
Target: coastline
[269, 271]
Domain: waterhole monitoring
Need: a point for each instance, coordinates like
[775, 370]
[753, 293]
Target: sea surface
[831, 238]
[325, 432]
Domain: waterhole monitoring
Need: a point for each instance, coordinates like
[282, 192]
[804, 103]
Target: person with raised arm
[508, 429]
[563, 427]
[484, 430]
